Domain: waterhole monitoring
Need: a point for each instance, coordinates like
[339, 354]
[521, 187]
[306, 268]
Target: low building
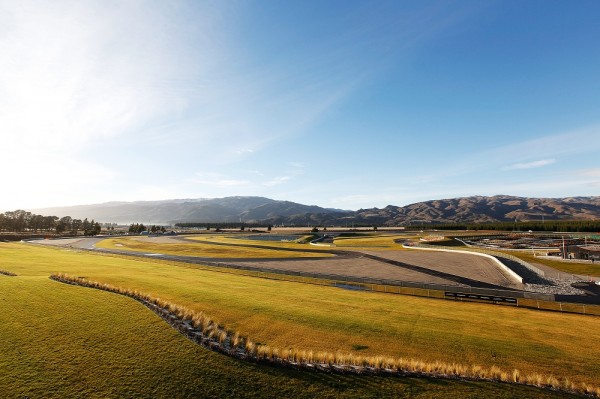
[587, 252]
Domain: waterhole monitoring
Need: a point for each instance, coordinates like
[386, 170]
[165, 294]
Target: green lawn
[207, 250]
[374, 241]
[276, 313]
[300, 243]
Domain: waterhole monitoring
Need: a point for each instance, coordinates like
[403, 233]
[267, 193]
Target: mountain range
[276, 212]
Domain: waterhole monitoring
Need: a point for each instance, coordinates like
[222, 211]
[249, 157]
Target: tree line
[21, 221]
[225, 225]
[573, 226]
[139, 227]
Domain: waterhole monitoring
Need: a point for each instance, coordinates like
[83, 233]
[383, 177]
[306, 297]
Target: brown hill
[265, 210]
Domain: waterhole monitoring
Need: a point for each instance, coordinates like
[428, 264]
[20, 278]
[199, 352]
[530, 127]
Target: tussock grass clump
[236, 340]
[516, 376]
[227, 341]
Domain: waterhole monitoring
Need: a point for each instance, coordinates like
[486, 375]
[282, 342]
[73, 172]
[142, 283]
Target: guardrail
[513, 258]
[424, 247]
[470, 248]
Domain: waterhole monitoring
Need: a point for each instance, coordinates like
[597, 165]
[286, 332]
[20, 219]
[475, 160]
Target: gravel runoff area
[350, 267]
[464, 265]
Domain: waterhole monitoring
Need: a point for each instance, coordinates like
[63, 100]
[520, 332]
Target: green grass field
[375, 241]
[55, 329]
[365, 241]
[145, 245]
[72, 342]
[300, 243]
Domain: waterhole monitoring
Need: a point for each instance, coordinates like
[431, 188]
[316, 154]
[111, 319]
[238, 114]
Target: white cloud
[298, 165]
[218, 180]
[594, 173]
[569, 143]
[530, 165]
[276, 181]
[79, 74]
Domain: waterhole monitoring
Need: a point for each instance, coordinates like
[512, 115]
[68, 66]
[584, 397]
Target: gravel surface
[556, 286]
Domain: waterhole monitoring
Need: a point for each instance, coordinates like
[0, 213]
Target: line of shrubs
[203, 330]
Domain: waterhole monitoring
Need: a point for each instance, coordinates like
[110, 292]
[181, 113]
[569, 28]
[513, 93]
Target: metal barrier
[513, 258]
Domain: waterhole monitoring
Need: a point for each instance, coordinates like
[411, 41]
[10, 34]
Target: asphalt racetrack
[428, 267]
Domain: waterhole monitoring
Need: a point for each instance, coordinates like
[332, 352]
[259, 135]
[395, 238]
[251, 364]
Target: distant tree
[50, 222]
[137, 228]
[67, 221]
[76, 225]
[93, 228]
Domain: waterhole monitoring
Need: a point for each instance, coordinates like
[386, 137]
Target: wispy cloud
[218, 180]
[546, 149]
[594, 173]
[298, 165]
[74, 73]
[530, 165]
[276, 181]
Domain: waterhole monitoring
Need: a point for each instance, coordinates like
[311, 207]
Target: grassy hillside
[63, 341]
[296, 315]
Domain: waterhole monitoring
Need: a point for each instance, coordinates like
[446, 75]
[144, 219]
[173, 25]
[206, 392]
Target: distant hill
[260, 209]
[214, 210]
[482, 209]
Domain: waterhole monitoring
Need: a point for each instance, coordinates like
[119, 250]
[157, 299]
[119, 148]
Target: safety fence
[496, 254]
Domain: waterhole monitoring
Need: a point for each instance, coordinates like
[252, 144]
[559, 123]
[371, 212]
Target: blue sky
[345, 104]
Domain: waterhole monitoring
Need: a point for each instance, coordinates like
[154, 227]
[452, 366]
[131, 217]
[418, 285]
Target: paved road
[379, 265]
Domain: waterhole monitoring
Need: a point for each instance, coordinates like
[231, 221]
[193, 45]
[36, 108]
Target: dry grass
[292, 315]
[377, 363]
[205, 250]
[375, 241]
[587, 269]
